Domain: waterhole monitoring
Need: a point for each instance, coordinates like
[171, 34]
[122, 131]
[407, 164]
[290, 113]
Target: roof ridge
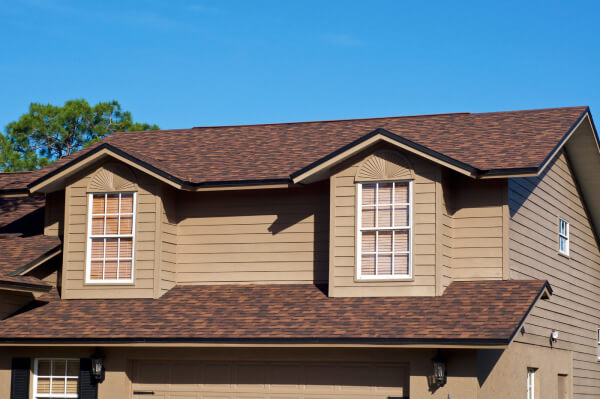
[331, 120]
[531, 110]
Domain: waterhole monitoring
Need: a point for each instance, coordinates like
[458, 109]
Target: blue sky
[195, 63]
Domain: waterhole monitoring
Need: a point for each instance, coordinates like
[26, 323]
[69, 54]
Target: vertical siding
[254, 236]
[344, 234]
[574, 309]
[477, 228]
[76, 211]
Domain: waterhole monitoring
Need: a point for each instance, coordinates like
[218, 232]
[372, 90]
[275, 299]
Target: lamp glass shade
[97, 366]
[439, 371]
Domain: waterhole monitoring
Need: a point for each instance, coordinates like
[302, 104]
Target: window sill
[563, 255]
[383, 280]
[111, 283]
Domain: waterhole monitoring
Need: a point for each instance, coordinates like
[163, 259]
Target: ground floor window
[531, 383]
[55, 378]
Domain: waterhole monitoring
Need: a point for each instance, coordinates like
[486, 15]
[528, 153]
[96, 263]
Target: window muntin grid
[563, 236]
[384, 225]
[111, 237]
[56, 378]
[599, 344]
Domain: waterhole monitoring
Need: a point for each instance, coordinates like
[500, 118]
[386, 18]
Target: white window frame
[88, 257]
[360, 229]
[531, 382]
[599, 344]
[52, 395]
[564, 234]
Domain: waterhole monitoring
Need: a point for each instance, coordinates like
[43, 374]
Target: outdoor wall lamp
[439, 370]
[554, 336]
[98, 366]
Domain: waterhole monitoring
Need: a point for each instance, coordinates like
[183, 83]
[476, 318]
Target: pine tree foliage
[48, 132]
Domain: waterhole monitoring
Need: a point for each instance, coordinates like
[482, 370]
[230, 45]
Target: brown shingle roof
[17, 252]
[16, 215]
[476, 312]
[21, 233]
[201, 155]
[15, 180]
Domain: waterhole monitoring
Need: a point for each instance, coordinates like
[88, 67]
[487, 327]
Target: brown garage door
[273, 380]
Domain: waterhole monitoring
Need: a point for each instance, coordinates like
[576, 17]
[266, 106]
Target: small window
[111, 230]
[531, 383]
[55, 378]
[384, 230]
[563, 236]
[599, 344]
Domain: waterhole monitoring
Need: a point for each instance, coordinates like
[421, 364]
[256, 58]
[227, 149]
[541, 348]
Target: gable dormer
[113, 233]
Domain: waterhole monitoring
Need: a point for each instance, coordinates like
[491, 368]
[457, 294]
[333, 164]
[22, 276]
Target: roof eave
[488, 343]
[315, 170]
[559, 146]
[24, 287]
[55, 179]
[50, 181]
[57, 250]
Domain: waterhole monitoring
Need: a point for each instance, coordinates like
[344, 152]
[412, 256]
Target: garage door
[272, 380]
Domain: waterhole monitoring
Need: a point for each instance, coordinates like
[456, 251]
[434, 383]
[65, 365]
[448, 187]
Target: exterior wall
[11, 301]
[535, 205]
[446, 233]
[504, 374]
[54, 214]
[204, 238]
[474, 221]
[460, 230]
[472, 374]
[48, 271]
[342, 279]
[147, 241]
[168, 275]
[269, 236]
[462, 380]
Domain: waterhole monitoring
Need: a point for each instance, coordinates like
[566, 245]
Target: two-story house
[436, 256]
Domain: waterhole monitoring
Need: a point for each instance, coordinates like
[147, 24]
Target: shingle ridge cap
[583, 107]
[333, 120]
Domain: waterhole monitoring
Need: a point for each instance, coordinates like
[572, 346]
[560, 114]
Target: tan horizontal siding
[54, 213]
[574, 309]
[253, 237]
[474, 237]
[168, 240]
[343, 280]
[147, 237]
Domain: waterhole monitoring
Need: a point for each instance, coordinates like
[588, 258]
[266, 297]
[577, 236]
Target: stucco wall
[472, 374]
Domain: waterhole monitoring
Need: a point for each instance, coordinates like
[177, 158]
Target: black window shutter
[19, 379]
[88, 387]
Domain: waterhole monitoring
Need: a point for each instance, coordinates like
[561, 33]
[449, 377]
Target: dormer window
[384, 230]
[563, 236]
[111, 234]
